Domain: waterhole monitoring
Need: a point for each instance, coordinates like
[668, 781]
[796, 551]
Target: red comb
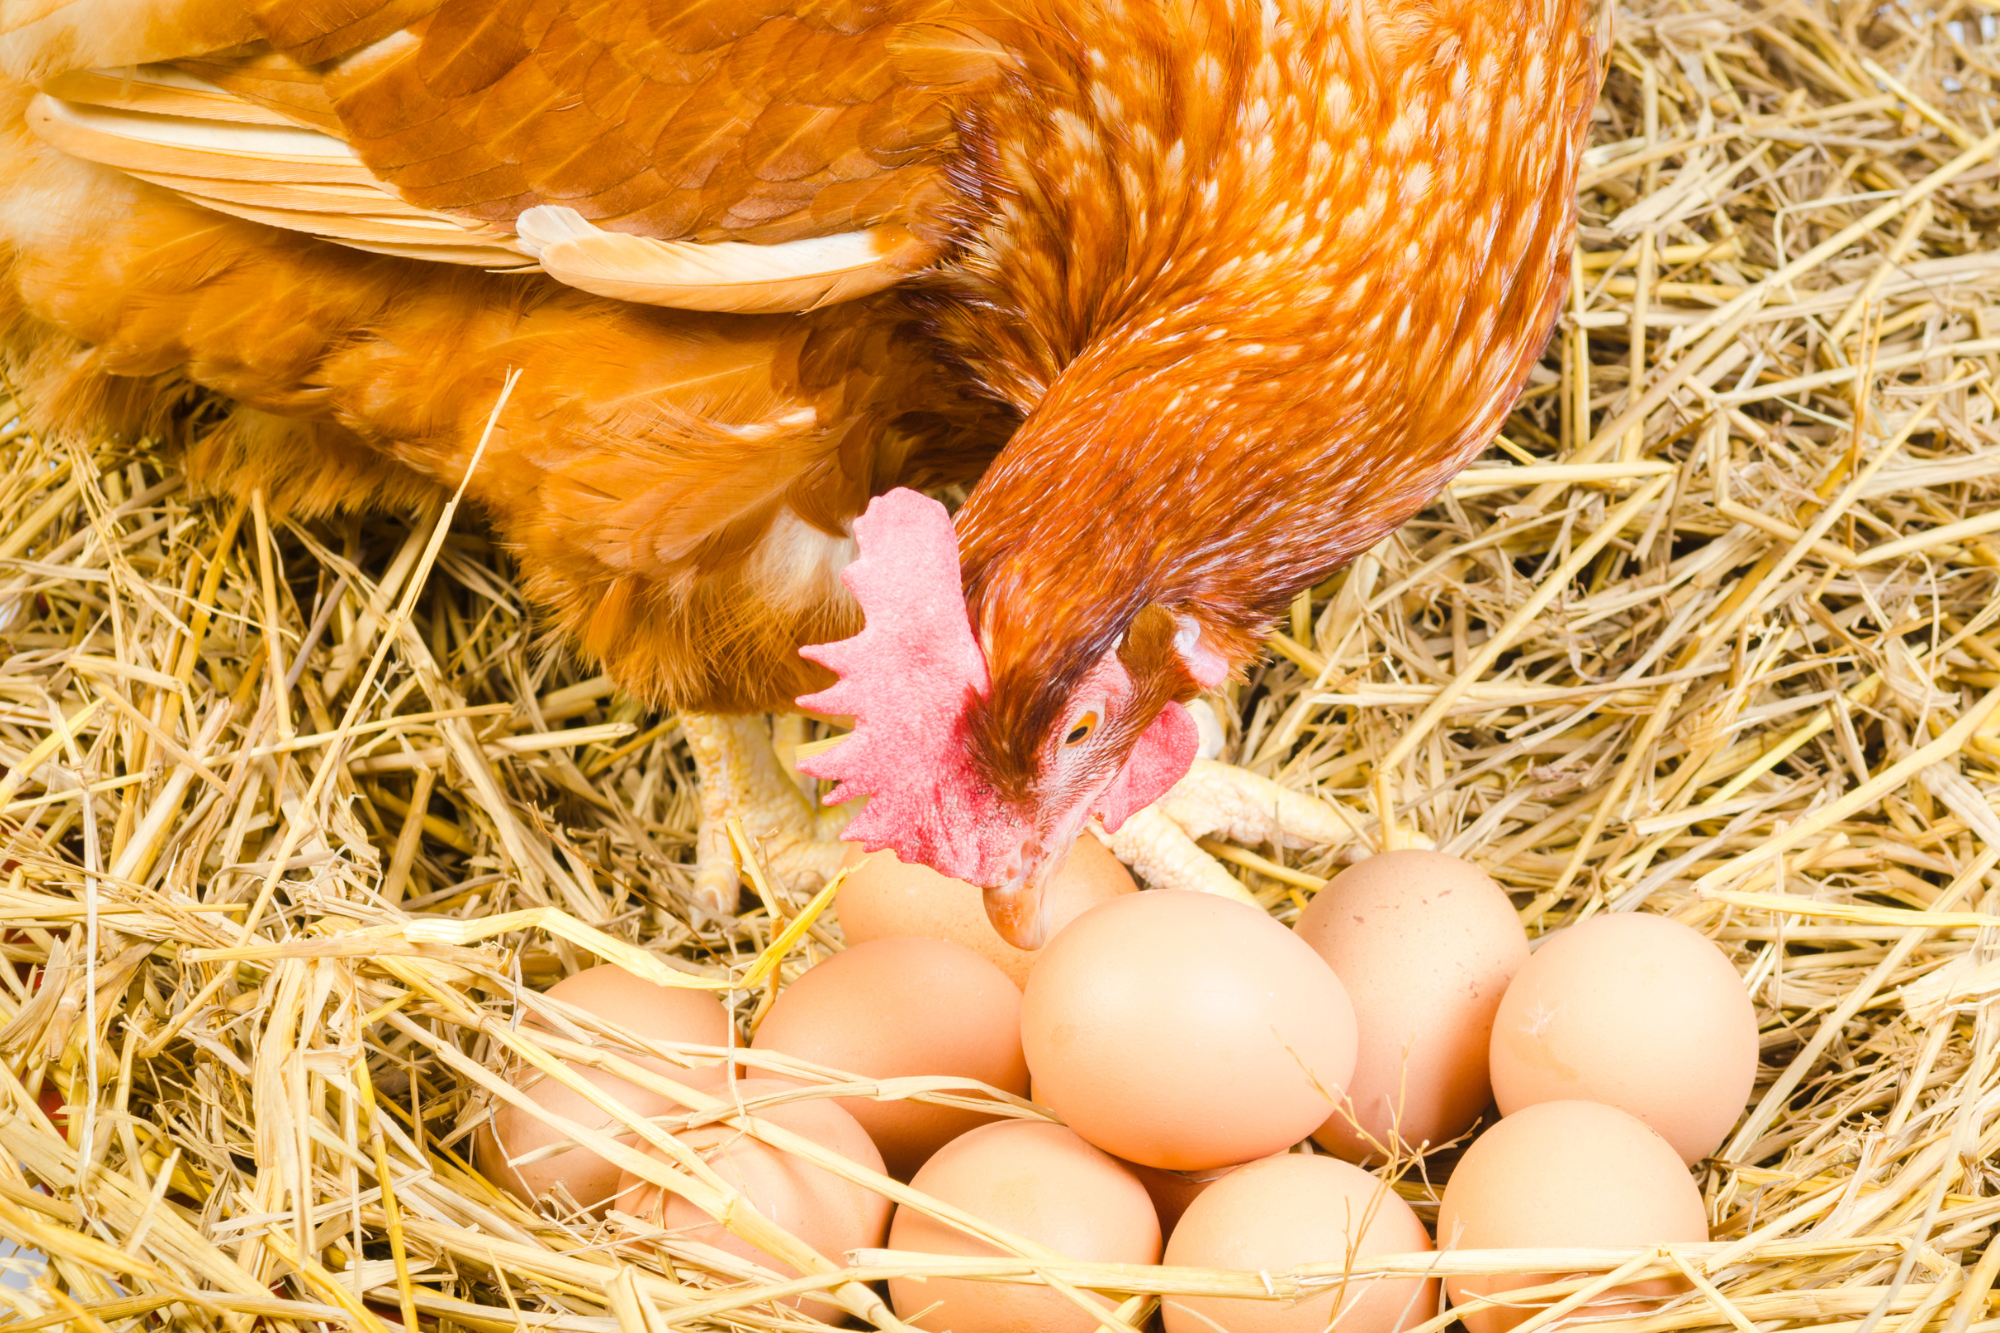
[906, 678]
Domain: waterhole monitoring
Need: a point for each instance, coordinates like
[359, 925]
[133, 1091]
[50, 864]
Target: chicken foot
[1161, 842]
[741, 778]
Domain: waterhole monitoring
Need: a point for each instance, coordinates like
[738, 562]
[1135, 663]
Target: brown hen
[1200, 297]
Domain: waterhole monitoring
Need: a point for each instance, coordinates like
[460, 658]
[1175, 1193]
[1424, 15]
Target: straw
[296, 814]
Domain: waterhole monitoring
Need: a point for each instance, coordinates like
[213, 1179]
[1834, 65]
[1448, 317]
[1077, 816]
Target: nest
[1712, 631]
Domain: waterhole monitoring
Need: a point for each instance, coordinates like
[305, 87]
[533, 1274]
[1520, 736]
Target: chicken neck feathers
[1257, 304]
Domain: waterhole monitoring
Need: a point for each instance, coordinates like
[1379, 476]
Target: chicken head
[910, 679]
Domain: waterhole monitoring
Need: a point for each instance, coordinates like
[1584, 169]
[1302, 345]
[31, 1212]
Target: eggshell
[514, 1133]
[1293, 1209]
[659, 1013]
[1186, 1031]
[898, 1007]
[1038, 1181]
[1425, 944]
[655, 1012]
[886, 897]
[1566, 1174]
[1172, 1191]
[827, 1213]
[1639, 1012]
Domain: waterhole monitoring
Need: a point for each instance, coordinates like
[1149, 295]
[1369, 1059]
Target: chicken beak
[1019, 909]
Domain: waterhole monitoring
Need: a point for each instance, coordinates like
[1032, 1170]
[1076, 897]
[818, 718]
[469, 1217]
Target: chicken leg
[1160, 842]
[742, 778]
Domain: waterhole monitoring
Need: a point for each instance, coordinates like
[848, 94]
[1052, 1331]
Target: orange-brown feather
[675, 485]
[1251, 280]
[1262, 307]
[764, 121]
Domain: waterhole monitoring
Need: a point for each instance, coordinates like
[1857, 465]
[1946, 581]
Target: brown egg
[1636, 1011]
[898, 1007]
[513, 1135]
[827, 1213]
[1288, 1210]
[1172, 1191]
[657, 1013]
[1425, 944]
[1186, 1031]
[1566, 1174]
[660, 1013]
[1037, 1181]
[887, 897]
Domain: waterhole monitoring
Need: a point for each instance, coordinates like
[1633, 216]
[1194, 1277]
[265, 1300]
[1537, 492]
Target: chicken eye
[1081, 729]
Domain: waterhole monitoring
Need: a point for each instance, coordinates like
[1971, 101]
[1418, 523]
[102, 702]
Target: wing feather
[724, 276]
[268, 170]
[42, 38]
[759, 121]
[273, 82]
[726, 155]
[232, 150]
[309, 32]
[158, 90]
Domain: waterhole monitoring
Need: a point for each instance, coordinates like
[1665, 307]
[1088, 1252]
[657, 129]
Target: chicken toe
[741, 778]
[1161, 842]
[1217, 799]
[1160, 852]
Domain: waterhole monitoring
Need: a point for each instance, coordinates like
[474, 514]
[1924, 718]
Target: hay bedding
[1730, 651]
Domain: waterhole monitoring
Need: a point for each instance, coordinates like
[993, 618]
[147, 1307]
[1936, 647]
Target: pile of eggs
[1222, 1083]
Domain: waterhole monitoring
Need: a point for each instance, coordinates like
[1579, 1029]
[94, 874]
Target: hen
[1204, 295]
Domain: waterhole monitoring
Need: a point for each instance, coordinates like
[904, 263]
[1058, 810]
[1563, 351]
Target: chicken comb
[906, 679]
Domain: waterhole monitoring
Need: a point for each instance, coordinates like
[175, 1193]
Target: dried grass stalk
[294, 818]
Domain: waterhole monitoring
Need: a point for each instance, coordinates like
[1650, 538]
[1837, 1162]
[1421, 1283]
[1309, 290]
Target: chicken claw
[1160, 842]
[741, 778]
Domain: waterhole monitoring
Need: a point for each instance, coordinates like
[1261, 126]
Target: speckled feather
[1264, 302]
[751, 120]
[1237, 285]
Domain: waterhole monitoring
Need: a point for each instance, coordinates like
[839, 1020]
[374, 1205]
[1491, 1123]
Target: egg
[1173, 1191]
[1425, 944]
[506, 1146]
[1289, 1210]
[644, 1008]
[509, 1147]
[826, 1212]
[885, 897]
[1637, 1011]
[1035, 1180]
[1566, 1174]
[898, 1007]
[1186, 1031]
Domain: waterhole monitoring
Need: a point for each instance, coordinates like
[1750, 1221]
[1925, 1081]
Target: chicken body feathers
[1257, 306]
[675, 484]
[1258, 279]
[763, 122]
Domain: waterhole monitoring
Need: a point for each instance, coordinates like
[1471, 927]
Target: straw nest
[1728, 649]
